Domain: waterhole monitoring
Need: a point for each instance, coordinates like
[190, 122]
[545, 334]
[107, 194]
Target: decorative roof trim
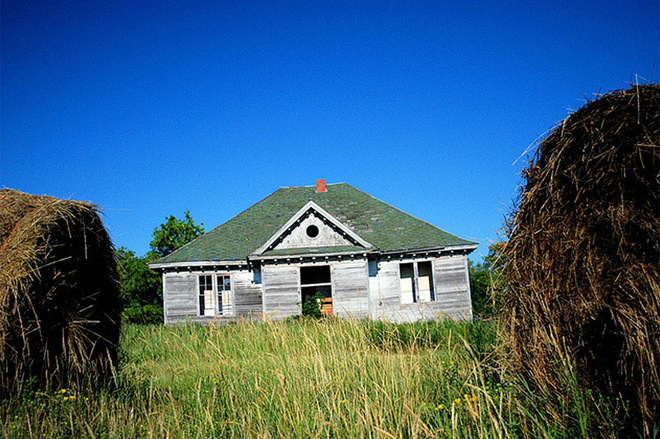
[298, 215]
[467, 248]
[211, 265]
[314, 256]
[218, 264]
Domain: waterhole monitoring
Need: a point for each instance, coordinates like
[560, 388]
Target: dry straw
[582, 262]
[59, 307]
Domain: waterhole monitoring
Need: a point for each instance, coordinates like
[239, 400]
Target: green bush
[311, 306]
[144, 314]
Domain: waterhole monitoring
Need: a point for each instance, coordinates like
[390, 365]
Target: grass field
[318, 378]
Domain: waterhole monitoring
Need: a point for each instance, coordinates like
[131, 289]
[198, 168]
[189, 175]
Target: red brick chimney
[320, 186]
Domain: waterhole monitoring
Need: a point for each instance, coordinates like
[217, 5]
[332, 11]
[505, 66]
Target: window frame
[217, 296]
[220, 297]
[305, 288]
[416, 291]
[314, 284]
[413, 283]
[201, 296]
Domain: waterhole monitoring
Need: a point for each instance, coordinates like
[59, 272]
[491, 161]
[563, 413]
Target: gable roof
[385, 227]
[312, 207]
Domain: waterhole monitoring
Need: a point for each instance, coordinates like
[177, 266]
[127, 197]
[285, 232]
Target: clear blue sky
[154, 108]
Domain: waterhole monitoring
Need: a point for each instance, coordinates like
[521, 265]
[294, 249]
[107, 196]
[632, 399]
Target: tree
[174, 233]
[141, 288]
[486, 282]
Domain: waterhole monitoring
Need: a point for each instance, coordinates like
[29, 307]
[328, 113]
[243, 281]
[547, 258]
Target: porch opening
[316, 290]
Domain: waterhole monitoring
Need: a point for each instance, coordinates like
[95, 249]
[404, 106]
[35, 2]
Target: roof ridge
[312, 185]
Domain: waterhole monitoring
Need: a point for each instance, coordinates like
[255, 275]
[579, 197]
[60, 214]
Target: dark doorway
[316, 289]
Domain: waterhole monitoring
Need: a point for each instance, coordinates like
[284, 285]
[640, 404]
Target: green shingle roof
[382, 225]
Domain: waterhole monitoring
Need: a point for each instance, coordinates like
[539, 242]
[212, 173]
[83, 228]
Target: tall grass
[306, 378]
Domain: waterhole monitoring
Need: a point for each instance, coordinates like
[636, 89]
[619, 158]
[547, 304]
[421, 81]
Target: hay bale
[59, 298]
[582, 261]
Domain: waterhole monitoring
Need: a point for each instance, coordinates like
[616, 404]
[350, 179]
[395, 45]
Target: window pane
[224, 295]
[315, 275]
[226, 303]
[206, 296]
[407, 283]
[224, 283]
[219, 287]
[205, 283]
[208, 303]
[425, 281]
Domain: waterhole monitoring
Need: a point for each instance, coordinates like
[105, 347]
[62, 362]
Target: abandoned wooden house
[357, 255]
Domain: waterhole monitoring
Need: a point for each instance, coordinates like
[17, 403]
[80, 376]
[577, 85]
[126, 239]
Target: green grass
[306, 378]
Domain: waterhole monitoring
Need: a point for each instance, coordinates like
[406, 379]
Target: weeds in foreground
[305, 378]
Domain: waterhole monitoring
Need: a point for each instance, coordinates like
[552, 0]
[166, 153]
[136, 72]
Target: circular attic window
[312, 231]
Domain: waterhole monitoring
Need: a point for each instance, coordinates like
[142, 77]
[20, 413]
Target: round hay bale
[582, 261]
[59, 299]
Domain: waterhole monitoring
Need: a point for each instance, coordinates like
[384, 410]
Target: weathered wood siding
[386, 301]
[281, 295]
[452, 287]
[350, 289]
[248, 302]
[181, 297]
[452, 298]
[359, 289]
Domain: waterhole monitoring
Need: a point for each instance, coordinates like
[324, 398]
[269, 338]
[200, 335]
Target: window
[225, 299]
[416, 282]
[312, 231]
[206, 296]
[215, 291]
[425, 281]
[407, 283]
